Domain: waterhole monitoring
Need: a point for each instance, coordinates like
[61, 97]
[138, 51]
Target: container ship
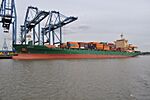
[45, 42]
[77, 50]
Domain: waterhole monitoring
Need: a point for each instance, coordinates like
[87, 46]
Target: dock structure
[8, 21]
[8, 18]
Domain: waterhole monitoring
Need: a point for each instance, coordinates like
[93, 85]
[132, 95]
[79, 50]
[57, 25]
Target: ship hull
[64, 56]
[28, 52]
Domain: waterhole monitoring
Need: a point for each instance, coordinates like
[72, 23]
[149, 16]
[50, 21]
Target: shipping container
[83, 45]
[106, 47]
[99, 46]
[50, 46]
[73, 45]
[92, 45]
[112, 46]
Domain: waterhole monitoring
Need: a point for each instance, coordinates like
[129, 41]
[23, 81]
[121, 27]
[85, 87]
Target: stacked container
[73, 45]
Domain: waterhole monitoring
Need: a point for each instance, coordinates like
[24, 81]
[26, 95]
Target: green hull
[37, 49]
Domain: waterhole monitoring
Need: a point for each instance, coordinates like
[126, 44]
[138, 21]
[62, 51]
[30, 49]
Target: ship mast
[121, 36]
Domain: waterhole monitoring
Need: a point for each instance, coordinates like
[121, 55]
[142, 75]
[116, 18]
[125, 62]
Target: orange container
[50, 46]
[106, 47]
[99, 46]
[73, 45]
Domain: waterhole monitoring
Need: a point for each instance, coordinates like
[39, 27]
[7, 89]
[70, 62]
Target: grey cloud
[76, 29]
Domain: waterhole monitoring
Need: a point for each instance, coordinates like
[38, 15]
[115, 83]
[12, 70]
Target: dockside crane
[53, 28]
[8, 17]
[32, 20]
[50, 33]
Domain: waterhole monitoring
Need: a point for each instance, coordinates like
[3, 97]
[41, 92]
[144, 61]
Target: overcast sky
[98, 20]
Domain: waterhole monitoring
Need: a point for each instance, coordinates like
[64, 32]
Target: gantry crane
[54, 21]
[8, 17]
[53, 28]
[32, 20]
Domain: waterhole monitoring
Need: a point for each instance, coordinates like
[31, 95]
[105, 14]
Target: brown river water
[79, 79]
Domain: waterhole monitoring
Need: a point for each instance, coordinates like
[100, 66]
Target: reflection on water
[97, 79]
